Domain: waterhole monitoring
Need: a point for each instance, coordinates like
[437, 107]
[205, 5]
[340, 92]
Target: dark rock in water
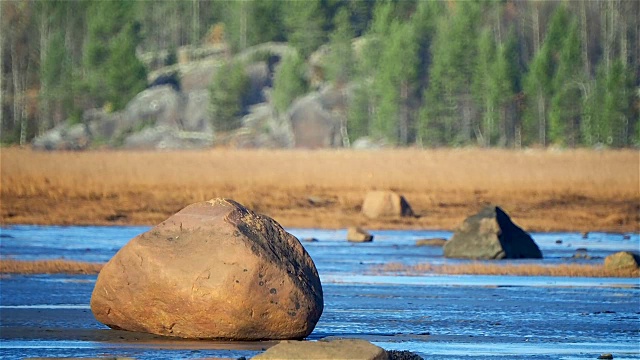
[581, 253]
[490, 234]
[403, 355]
[558, 241]
[605, 356]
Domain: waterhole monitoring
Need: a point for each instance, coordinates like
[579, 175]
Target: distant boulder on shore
[213, 270]
[490, 234]
[379, 204]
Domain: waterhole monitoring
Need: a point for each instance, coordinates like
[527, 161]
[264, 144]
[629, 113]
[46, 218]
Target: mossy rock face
[488, 235]
[622, 260]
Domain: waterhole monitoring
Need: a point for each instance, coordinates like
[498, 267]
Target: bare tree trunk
[1, 73]
[585, 38]
[404, 113]
[23, 115]
[624, 46]
[17, 92]
[243, 25]
[45, 104]
[536, 28]
[195, 23]
[542, 121]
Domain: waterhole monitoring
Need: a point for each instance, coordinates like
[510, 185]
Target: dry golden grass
[541, 189]
[479, 268]
[11, 266]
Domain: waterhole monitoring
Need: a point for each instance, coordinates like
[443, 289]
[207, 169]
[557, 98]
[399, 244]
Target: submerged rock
[354, 349]
[490, 234]
[213, 270]
[431, 242]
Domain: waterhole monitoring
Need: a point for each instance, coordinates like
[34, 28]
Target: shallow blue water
[457, 317]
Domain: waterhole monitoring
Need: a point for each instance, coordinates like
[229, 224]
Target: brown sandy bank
[542, 190]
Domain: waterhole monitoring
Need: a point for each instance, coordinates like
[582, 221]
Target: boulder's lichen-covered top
[213, 270]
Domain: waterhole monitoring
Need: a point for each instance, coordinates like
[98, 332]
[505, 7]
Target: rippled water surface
[437, 316]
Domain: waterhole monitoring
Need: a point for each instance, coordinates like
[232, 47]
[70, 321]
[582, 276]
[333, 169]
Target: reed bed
[483, 268]
[58, 266]
[447, 184]
[591, 173]
[11, 266]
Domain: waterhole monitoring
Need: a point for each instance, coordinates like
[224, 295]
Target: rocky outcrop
[354, 349]
[177, 104]
[379, 204]
[64, 137]
[490, 234]
[157, 118]
[312, 125]
[213, 270]
[622, 260]
[356, 234]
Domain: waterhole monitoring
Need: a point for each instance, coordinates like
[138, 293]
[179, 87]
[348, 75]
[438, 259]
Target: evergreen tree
[340, 65]
[125, 74]
[227, 93]
[566, 104]
[290, 82]
[394, 84]
[539, 85]
[359, 112]
[609, 113]
[250, 22]
[446, 116]
[305, 23]
[110, 50]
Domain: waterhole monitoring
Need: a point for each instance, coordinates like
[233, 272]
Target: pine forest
[500, 73]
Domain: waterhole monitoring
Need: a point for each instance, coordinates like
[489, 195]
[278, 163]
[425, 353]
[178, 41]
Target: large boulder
[490, 234]
[213, 270]
[354, 349]
[384, 204]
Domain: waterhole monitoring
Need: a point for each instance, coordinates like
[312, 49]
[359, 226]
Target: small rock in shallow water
[403, 355]
[356, 234]
[605, 356]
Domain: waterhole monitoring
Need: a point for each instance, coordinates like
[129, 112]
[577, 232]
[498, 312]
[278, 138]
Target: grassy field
[542, 190]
